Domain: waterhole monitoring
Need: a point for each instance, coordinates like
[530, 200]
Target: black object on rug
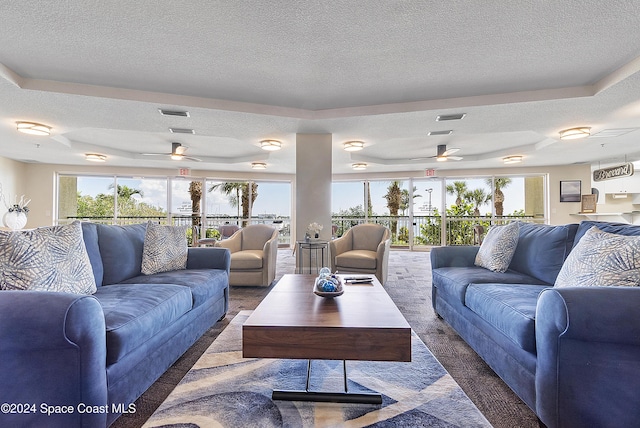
[225, 390]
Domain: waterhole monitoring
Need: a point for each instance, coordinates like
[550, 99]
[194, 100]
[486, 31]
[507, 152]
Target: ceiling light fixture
[434, 133]
[512, 159]
[95, 157]
[353, 146]
[33, 128]
[575, 133]
[270, 145]
[177, 156]
[360, 166]
[441, 158]
[258, 165]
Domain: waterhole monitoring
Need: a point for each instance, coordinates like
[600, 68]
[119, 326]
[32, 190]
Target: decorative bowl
[327, 285]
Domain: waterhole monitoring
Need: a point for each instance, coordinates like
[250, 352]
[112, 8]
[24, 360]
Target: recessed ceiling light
[181, 131]
[33, 128]
[575, 133]
[173, 113]
[353, 146]
[270, 145]
[447, 132]
[95, 157]
[512, 159]
[359, 166]
[258, 165]
[443, 117]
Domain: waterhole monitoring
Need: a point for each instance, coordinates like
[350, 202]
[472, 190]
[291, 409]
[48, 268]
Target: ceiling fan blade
[456, 158]
[450, 151]
[193, 159]
[155, 154]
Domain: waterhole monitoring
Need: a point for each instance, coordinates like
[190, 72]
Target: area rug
[225, 390]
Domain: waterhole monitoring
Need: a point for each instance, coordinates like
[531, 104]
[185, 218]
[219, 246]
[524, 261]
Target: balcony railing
[424, 230]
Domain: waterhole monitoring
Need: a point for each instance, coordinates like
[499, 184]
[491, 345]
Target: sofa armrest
[453, 256]
[53, 353]
[209, 258]
[588, 356]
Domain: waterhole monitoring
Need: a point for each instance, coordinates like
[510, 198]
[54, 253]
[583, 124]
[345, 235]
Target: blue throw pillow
[165, 248]
[46, 259]
[602, 259]
[498, 247]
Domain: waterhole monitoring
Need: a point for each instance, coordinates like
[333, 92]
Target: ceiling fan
[177, 153]
[443, 154]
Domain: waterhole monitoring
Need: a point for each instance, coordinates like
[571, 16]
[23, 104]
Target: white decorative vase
[15, 220]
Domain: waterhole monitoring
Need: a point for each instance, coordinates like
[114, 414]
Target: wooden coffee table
[292, 322]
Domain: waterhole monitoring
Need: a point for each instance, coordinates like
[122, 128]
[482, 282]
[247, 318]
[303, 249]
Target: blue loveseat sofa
[70, 360]
[572, 354]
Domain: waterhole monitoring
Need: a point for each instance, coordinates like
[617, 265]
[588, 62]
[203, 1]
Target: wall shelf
[628, 217]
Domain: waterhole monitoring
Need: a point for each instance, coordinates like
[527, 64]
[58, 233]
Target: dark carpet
[409, 285]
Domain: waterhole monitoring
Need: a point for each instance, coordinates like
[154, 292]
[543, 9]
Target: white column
[313, 184]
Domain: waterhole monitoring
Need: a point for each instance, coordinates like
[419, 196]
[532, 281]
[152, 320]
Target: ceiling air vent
[442, 117]
[612, 132]
[182, 131]
[173, 113]
[447, 132]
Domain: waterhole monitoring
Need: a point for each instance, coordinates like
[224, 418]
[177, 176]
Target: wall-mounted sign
[429, 172]
[185, 172]
[619, 171]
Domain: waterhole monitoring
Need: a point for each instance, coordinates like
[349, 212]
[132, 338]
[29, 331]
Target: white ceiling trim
[295, 113]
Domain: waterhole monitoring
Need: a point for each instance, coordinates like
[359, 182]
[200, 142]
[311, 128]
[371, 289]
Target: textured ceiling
[97, 72]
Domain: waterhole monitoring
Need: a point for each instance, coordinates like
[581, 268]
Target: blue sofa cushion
[90, 237]
[453, 281]
[134, 313]
[510, 308]
[204, 283]
[605, 226]
[121, 251]
[542, 249]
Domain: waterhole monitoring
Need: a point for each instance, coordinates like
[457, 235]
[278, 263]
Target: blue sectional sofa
[85, 359]
[572, 354]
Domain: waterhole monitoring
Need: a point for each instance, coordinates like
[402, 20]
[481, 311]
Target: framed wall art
[570, 191]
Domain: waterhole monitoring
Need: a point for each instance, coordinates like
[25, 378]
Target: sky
[274, 198]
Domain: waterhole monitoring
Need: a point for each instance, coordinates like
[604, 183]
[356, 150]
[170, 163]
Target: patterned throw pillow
[602, 259]
[46, 259]
[496, 251]
[165, 248]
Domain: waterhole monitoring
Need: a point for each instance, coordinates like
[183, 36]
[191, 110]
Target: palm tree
[405, 202]
[478, 197]
[195, 191]
[241, 197]
[498, 200]
[458, 188]
[394, 200]
[125, 201]
[125, 192]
